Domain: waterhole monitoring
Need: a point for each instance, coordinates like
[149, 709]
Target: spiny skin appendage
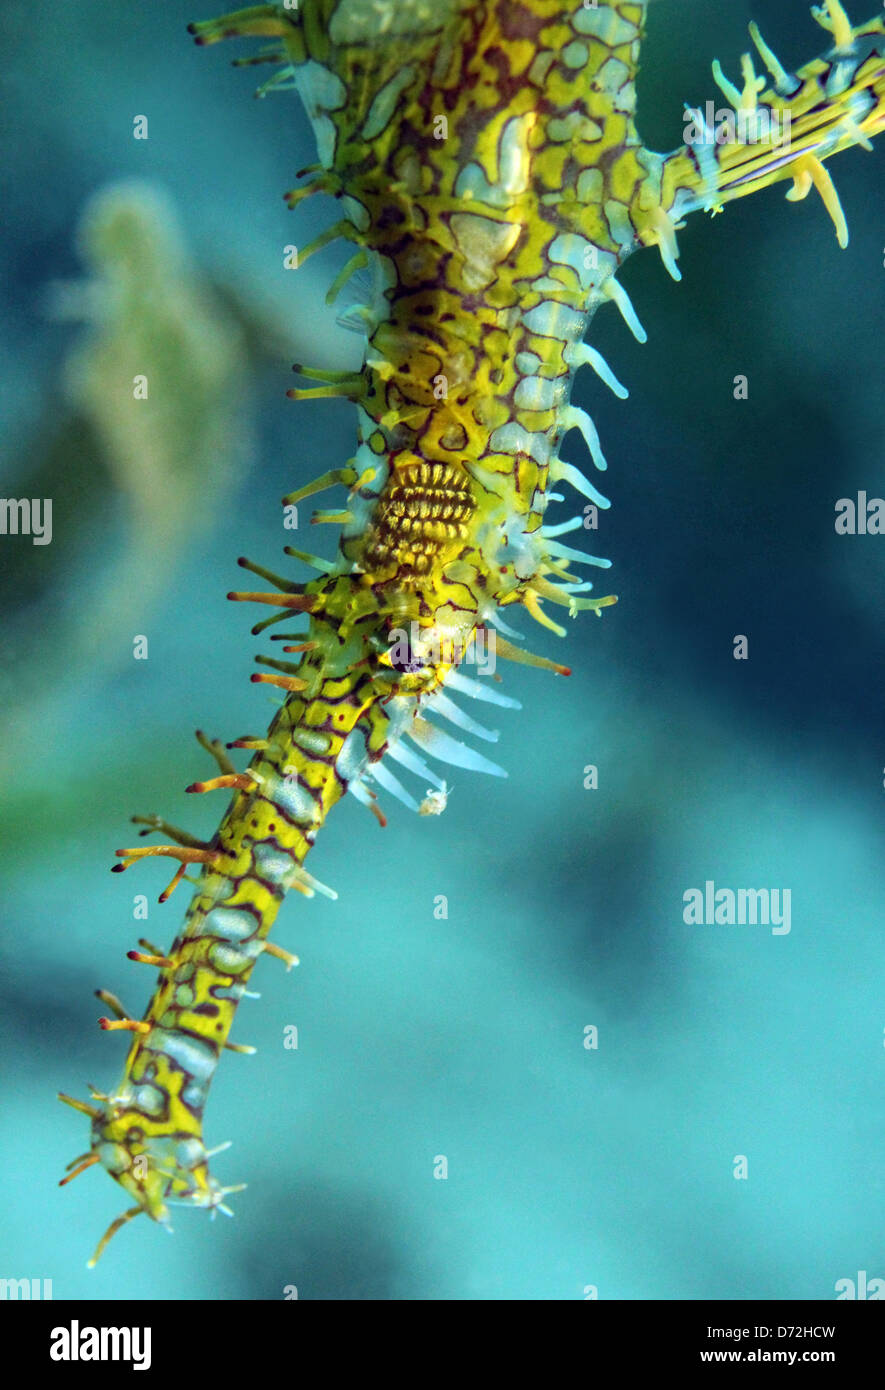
[493, 183]
[149, 1134]
[787, 130]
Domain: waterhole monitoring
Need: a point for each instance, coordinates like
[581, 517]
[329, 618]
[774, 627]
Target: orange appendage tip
[81, 1105]
[303, 603]
[290, 683]
[111, 1232]
[172, 884]
[85, 1161]
[184, 854]
[286, 957]
[126, 1025]
[163, 962]
[239, 781]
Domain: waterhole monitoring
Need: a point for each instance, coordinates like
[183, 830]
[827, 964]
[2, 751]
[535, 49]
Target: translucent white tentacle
[386, 779]
[440, 704]
[480, 690]
[449, 750]
[406, 757]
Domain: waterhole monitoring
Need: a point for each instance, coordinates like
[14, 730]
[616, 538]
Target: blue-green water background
[420, 1037]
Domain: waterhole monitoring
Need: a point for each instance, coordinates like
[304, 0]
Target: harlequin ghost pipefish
[491, 182]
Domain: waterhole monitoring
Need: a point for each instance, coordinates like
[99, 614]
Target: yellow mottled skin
[492, 180]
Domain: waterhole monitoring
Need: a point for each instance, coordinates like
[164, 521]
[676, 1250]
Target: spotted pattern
[490, 175]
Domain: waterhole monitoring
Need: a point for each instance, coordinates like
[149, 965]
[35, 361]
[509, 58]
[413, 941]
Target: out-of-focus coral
[138, 450]
[161, 370]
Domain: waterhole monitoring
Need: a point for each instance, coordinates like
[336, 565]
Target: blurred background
[418, 1037]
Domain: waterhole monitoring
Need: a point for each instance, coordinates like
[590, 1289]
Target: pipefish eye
[394, 649]
[411, 667]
